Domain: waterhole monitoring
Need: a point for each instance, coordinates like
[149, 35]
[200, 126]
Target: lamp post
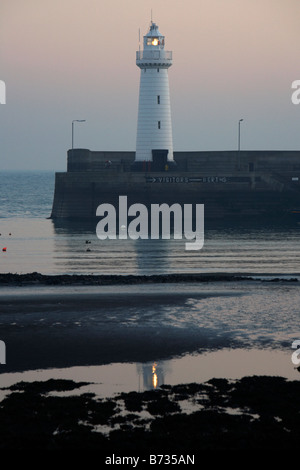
[75, 120]
[239, 143]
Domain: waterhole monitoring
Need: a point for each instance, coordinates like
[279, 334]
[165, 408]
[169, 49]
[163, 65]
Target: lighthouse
[154, 143]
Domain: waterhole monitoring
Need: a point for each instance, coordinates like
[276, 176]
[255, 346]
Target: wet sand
[63, 321]
[63, 326]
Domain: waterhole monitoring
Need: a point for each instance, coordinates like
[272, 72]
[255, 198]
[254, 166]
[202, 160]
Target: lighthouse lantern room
[154, 144]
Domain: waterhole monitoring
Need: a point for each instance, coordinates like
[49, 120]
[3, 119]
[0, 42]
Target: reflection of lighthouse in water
[153, 374]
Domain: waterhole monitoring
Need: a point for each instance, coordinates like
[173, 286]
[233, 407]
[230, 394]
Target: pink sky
[75, 59]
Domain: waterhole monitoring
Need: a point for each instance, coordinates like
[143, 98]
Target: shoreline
[35, 278]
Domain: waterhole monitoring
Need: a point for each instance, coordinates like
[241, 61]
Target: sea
[143, 336]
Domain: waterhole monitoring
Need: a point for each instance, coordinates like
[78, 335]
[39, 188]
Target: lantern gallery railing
[154, 55]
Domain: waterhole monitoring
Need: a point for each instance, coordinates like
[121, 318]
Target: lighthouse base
[159, 162]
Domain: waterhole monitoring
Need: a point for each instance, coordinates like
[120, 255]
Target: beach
[116, 359]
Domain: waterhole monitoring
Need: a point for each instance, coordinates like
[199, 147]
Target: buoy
[4, 249]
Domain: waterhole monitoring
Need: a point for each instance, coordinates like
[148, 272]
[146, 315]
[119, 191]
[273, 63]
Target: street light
[75, 120]
[239, 143]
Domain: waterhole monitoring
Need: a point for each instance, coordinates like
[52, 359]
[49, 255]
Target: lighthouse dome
[153, 31]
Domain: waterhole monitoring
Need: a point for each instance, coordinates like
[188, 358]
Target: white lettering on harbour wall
[186, 179]
[2, 92]
[160, 222]
[296, 93]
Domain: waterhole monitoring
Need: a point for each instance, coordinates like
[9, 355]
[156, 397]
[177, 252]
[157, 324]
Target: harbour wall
[229, 183]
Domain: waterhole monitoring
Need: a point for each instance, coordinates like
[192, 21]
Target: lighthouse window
[157, 70]
[158, 124]
[153, 41]
[158, 99]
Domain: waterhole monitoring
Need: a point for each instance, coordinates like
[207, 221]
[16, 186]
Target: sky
[63, 60]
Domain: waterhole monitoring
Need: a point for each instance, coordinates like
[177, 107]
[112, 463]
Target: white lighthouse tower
[154, 144]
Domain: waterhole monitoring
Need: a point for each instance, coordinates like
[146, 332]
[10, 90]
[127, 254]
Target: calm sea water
[215, 329]
[35, 243]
